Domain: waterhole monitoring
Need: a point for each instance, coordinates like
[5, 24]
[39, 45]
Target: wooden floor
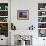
[3, 45]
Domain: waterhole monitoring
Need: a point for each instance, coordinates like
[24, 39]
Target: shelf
[3, 10]
[42, 16]
[42, 19]
[41, 22]
[3, 16]
[41, 10]
[3, 22]
[41, 28]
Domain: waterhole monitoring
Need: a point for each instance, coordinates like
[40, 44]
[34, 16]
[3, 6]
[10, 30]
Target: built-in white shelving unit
[42, 19]
[4, 23]
[4, 19]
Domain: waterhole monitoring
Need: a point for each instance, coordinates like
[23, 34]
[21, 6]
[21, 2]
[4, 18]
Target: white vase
[22, 43]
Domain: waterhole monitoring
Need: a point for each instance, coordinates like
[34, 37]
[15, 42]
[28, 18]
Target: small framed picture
[22, 14]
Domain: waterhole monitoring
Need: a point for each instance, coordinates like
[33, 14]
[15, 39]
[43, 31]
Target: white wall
[27, 5]
[32, 6]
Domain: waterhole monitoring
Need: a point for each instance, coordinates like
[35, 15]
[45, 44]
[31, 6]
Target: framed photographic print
[22, 14]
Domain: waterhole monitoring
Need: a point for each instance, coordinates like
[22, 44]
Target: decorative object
[4, 29]
[13, 27]
[43, 13]
[42, 19]
[3, 13]
[3, 19]
[23, 40]
[22, 43]
[41, 6]
[3, 6]
[0, 7]
[22, 14]
[42, 25]
[42, 32]
[44, 41]
[31, 27]
[6, 7]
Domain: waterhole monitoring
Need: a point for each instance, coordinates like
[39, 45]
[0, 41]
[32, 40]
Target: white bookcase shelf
[4, 19]
[3, 22]
[42, 19]
[41, 22]
[41, 28]
[42, 16]
[3, 16]
[3, 10]
[41, 10]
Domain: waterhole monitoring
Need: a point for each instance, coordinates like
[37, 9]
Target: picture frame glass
[22, 14]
